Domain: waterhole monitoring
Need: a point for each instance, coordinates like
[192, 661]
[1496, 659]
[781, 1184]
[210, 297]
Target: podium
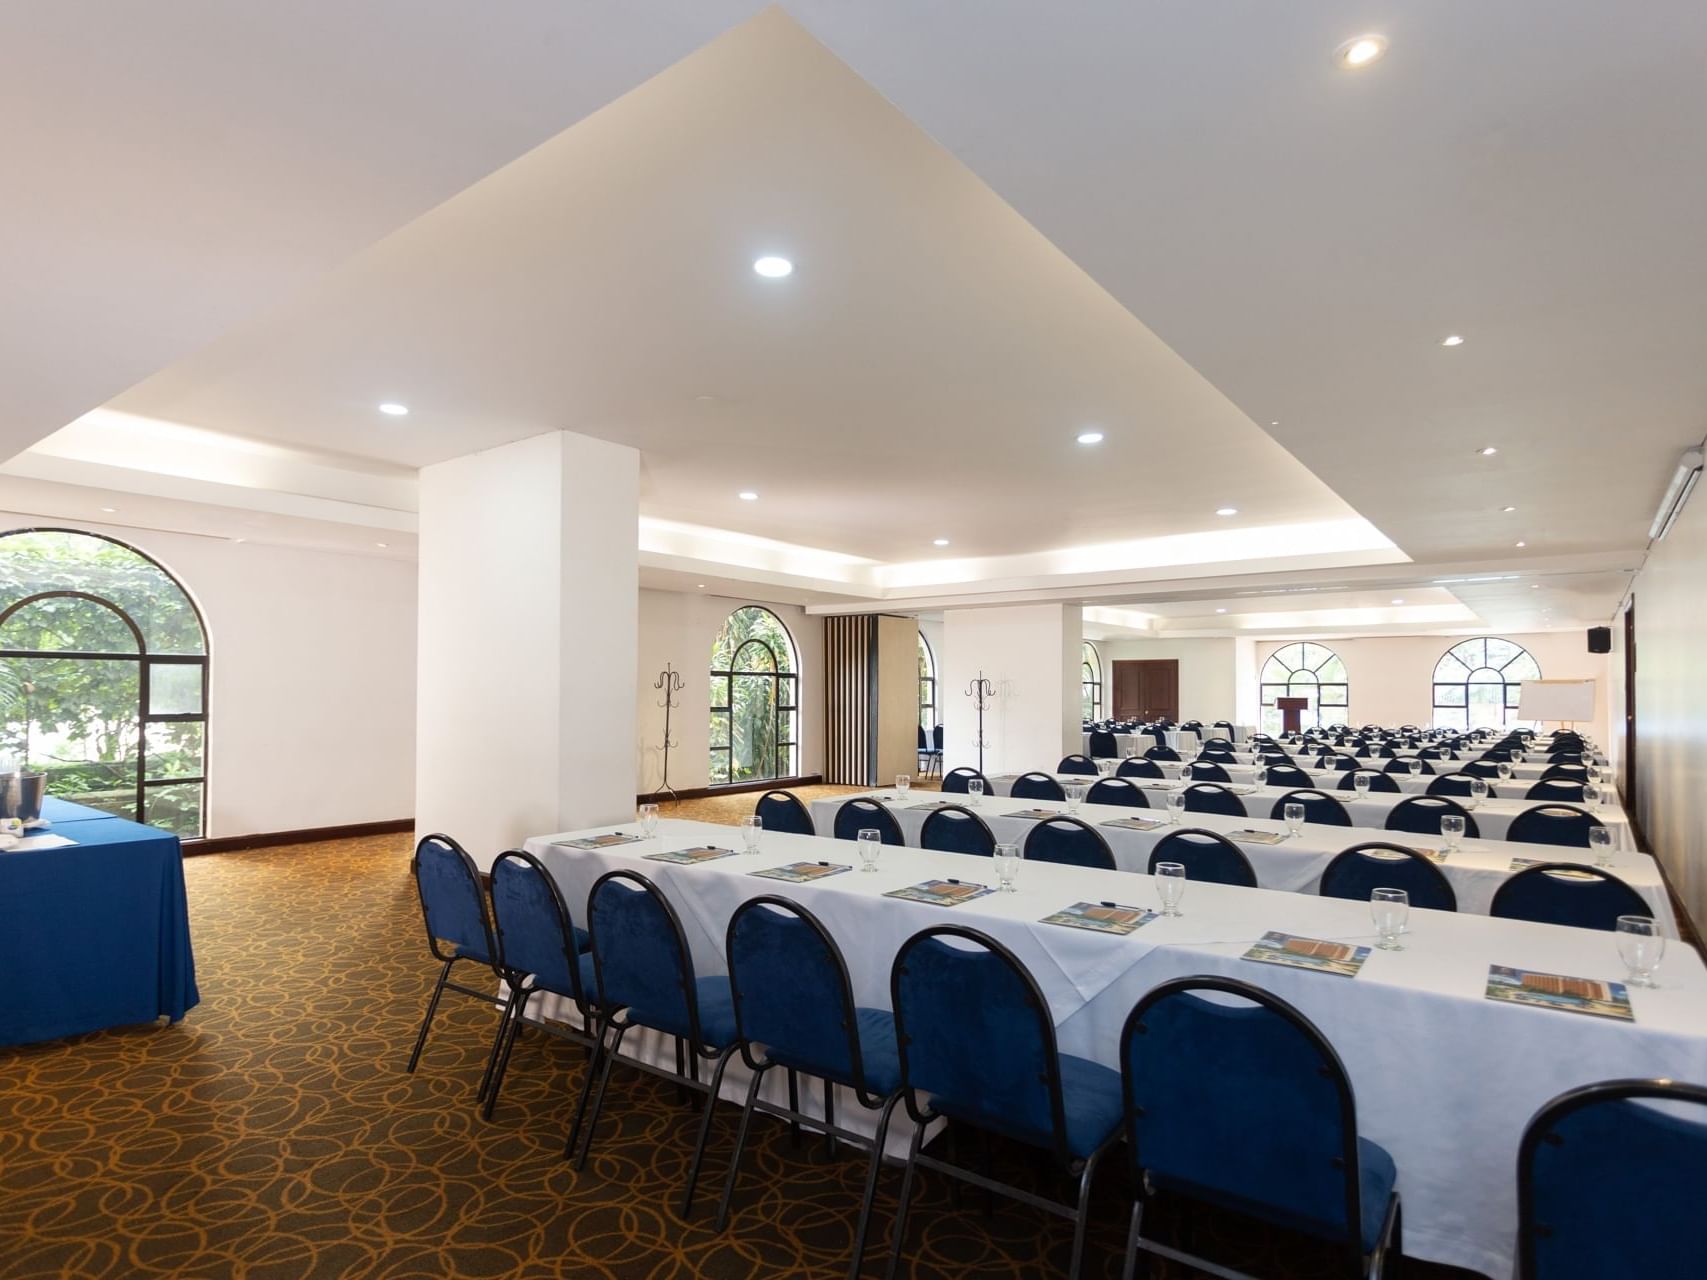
[1291, 710]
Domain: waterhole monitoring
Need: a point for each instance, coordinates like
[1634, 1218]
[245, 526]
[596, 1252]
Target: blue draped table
[93, 934]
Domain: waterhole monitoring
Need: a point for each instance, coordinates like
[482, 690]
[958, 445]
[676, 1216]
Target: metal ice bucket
[21, 795]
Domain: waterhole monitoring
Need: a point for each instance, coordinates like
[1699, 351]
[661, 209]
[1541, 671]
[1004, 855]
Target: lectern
[1290, 711]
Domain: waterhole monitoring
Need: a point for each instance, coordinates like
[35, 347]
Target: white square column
[1030, 655]
[529, 621]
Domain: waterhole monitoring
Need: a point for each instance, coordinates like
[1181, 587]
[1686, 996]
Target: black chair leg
[499, 1039]
[870, 1196]
[1129, 1269]
[432, 1008]
[829, 1119]
[599, 1099]
[705, 1128]
[793, 1105]
[901, 1206]
[740, 1146]
[1080, 1221]
[503, 1065]
[595, 1061]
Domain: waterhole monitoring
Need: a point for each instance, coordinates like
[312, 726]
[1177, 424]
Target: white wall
[1391, 678]
[1208, 671]
[311, 719]
[679, 628]
[1030, 653]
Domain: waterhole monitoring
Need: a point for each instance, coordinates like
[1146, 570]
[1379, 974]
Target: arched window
[1477, 683]
[1305, 670]
[927, 685]
[1090, 681]
[755, 709]
[103, 677]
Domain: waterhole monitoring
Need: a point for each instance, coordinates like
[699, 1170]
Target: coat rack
[669, 681]
[980, 691]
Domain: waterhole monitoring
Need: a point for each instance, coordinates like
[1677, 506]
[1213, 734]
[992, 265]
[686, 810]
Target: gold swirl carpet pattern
[273, 1135]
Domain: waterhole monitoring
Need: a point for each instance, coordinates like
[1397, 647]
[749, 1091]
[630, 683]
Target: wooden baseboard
[272, 839]
[731, 789]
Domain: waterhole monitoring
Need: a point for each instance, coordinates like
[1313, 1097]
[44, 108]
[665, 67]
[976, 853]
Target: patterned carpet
[274, 1135]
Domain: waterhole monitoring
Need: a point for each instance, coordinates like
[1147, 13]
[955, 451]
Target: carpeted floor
[273, 1135]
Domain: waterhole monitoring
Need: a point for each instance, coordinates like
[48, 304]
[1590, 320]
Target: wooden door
[1146, 689]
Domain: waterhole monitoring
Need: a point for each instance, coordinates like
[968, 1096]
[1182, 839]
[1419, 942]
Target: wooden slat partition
[850, 699]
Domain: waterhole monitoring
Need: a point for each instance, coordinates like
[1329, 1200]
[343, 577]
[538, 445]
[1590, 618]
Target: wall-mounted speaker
[1600, 639]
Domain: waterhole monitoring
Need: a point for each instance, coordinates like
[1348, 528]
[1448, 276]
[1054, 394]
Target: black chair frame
[444, 983]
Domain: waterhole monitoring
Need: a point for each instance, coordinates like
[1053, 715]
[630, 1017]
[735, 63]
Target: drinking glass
[1075, 796]
[649, 819]
[1360, 784]
[1390, 909]
[975, 792]
[1170, 886]
[1478, 792]
[1261, 776]
[870, 845]
[1504, 769]
[1452, 830]
[903, 784]
[1640, 944]
[1008, 857]
[1176, 806]
[1600, 840]
[1294, 815]
[1591, 795]
[752, 827]
[1184, 772]
[1105, 767]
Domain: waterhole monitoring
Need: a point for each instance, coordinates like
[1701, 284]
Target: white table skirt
[1476, 869]
[1444, 1079]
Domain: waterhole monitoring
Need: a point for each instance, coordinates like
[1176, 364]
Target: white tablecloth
[1529, 772]
[1444, 1079]
[1475, 869]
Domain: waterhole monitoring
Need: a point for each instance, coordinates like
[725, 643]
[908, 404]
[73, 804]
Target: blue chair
[1484, 769]
[458, 928]
[956, 829]
[643, 976]
[1162, 753]
[1319, 807]
[860, 814]
[1456, 784]
[936, 746]
[1401, 767]
[782, 811]
[1120, 791]
[1212, 797]
[1568, 759]
[1207, 856]
[1339, 764]
[955, 780]
[1421, 815]
[1363, 868]
[1608, 1184]
[1136, 768]
[977, 1037]
[1557, 791]
[1069, 842]
[1570, 894]
[1558, 824]
[1576, 771]
[1246, 1106]
[1289, 775]
[1036, 786]
[1078, 764]
[539, 950]
[792, 995]
[1377, 781]
[1209, 773]
[1104, 745]
[1210, 756]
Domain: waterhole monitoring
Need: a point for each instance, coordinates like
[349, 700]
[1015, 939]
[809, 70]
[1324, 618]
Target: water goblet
[870, 845]
[1008, 858]
[975, 792]
[1478, 792]
[1176, 806]
[1390, 908]
[1640, 945]
[1504, 769]
[903, 784]
[1452, 830]
[1591, 795]
[1170, 886]
[1294, 815]
[1600, 840]
[1075, 796]
[752, 828]
[1360, 784]
[1260, 777]
[649, 820]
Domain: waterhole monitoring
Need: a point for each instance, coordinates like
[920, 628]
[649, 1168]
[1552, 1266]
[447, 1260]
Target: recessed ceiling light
[1360, 51]
[1535, 586]
[1090, 437]
[1274, 424]
[1523, 544]
[939, 542]
[747, 495]
[1226, 511]
[392, 409]
[773, 268]
[702, 586]
[112, 511]
[1398, 602]
[1452, 340]
[1488, 450]
[1508, 510]
[1220, 611]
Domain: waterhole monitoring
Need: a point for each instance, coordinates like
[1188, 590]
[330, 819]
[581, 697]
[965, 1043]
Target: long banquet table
[1444, 1078]
[1475, 869]
[96, 932]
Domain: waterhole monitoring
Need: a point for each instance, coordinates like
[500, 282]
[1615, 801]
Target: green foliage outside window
[753, 699]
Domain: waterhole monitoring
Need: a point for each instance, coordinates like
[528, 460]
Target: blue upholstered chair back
[1408, 766]
[451, 900]
[1377, 781]
[1589, 899]
[1069, 842]
[791, 989]
[1558, 824]
[640, 957]
[936, 736]
[535, 932]
[858, 815]
[1243, 1103]
[955, 780]
[1212, 797]
[1136, 768]
[954, 829]
[1036, 786]
[1455, 784]
[1421, 815]
[1598, 1160]
[1210, 755]
[1289, 775]
[1077, 764]
[1121, 791]
[1104, 745]
[780, 811]
[1207, 856]
[1557, 791]
[1161, 753]
[1364, 868]
[1218, 744]
[1209, 772]
[975, 1033]
[1481, 769]
[1339, 764]
[1319, 807]
[1577, 771]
